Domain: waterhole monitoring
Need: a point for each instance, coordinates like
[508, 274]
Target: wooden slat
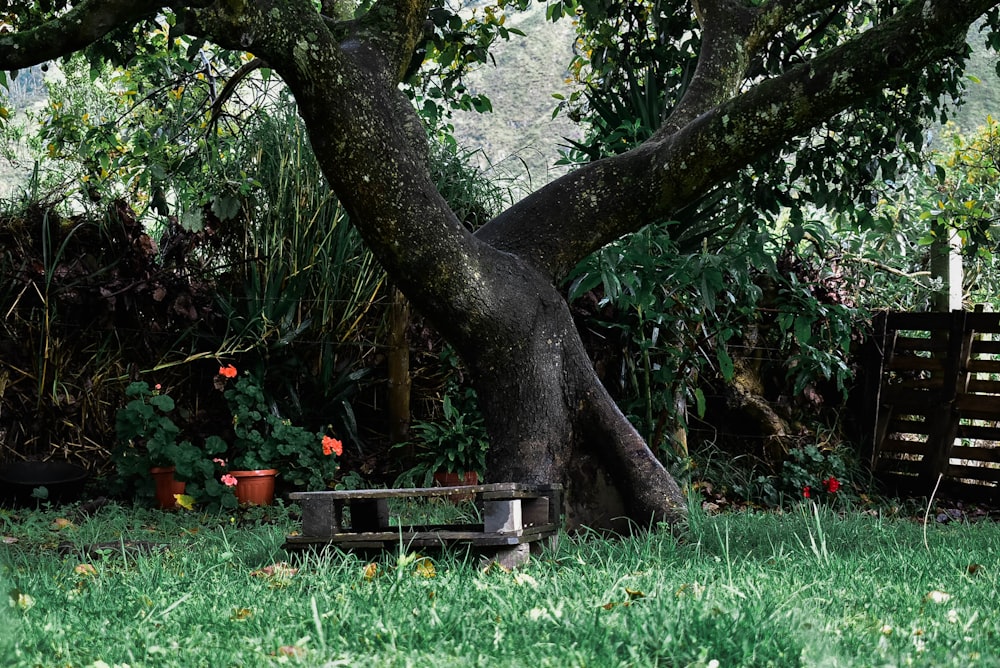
[933, 384]
[887, 464]
[978, 406]
[981, 347]
[983, 386]
[983, 366]
[903, 399]
[901, 320]
[976, 454]
[509, 490]
[912, 363]
[433, 538]
[973, 473]
[898, 426]
[904, 343]
[979, 433]
[901, 446]
[983, 323]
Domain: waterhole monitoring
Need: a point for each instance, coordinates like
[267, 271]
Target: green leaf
[699, 403]
[725, 364]
[226, 207]
[803, 330]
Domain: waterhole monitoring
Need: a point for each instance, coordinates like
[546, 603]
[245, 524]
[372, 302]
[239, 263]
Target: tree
[494, 294]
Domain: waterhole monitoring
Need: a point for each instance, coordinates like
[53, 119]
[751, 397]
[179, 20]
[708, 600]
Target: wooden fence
[934, 393]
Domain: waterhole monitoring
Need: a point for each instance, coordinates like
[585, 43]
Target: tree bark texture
[493, 294]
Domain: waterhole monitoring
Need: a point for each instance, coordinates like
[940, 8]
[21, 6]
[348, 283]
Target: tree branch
[78, 28]
[557, 226]
[722, 61]
[394, 28]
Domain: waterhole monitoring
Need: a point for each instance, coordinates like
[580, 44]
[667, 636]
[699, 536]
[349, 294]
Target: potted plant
[150, 444]
[265, 443]
[450, 451]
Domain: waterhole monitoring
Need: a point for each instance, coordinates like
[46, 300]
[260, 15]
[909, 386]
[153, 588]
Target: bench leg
[509, 557]
[503, 517]
[321, 517]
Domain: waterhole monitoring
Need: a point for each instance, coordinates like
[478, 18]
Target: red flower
[805, 491]
[228, 371]
[831, 485]
[332, 446]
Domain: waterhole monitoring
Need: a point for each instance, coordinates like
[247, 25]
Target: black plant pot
[64, 482]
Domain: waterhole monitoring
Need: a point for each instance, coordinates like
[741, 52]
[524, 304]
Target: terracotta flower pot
[447, 479]
[166, 486]
[255, 487]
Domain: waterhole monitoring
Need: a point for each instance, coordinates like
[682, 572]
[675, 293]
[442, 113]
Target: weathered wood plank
[978, 406]
[976, 454]
[910, 343]
[432, 538]
[979, 433]
[900, 320]
[904, 399]
[903, 446]
[914, 363]
[983, 347]
[973, 473]
[496, 490]
[900, 426]
[983, 366]
[889, 464]
[983, 386]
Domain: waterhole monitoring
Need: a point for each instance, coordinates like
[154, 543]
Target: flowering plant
[829, 486]
[263, 439]
[149, 437]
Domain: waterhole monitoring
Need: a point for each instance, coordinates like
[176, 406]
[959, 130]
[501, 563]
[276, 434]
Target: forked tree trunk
[551, 420]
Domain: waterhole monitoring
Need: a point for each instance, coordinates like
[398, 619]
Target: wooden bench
[516, 518]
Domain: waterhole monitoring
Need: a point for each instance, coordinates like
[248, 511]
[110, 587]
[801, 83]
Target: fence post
[944, 422]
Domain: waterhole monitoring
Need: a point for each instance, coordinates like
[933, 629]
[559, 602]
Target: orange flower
[332, 446]
[228, 371]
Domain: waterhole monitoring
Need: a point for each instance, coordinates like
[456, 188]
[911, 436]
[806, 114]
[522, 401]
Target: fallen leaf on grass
[371, 570]
[496, 565]
[240, 614]
[184, 501]
[425, 568]
[279, 573]
[9, 540]
[292, 651]
[60, 524]
[634, 594]
[973, 569]
[85, 569]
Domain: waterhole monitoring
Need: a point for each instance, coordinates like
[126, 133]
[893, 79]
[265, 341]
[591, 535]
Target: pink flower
[332, 446]
[228, 480]
[220, 462]
[157, 387]
[805, 491]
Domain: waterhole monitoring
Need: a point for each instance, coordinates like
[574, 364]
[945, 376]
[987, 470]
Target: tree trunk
[551, 420]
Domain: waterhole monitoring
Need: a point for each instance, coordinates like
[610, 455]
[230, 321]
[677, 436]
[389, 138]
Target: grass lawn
[147, 588]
